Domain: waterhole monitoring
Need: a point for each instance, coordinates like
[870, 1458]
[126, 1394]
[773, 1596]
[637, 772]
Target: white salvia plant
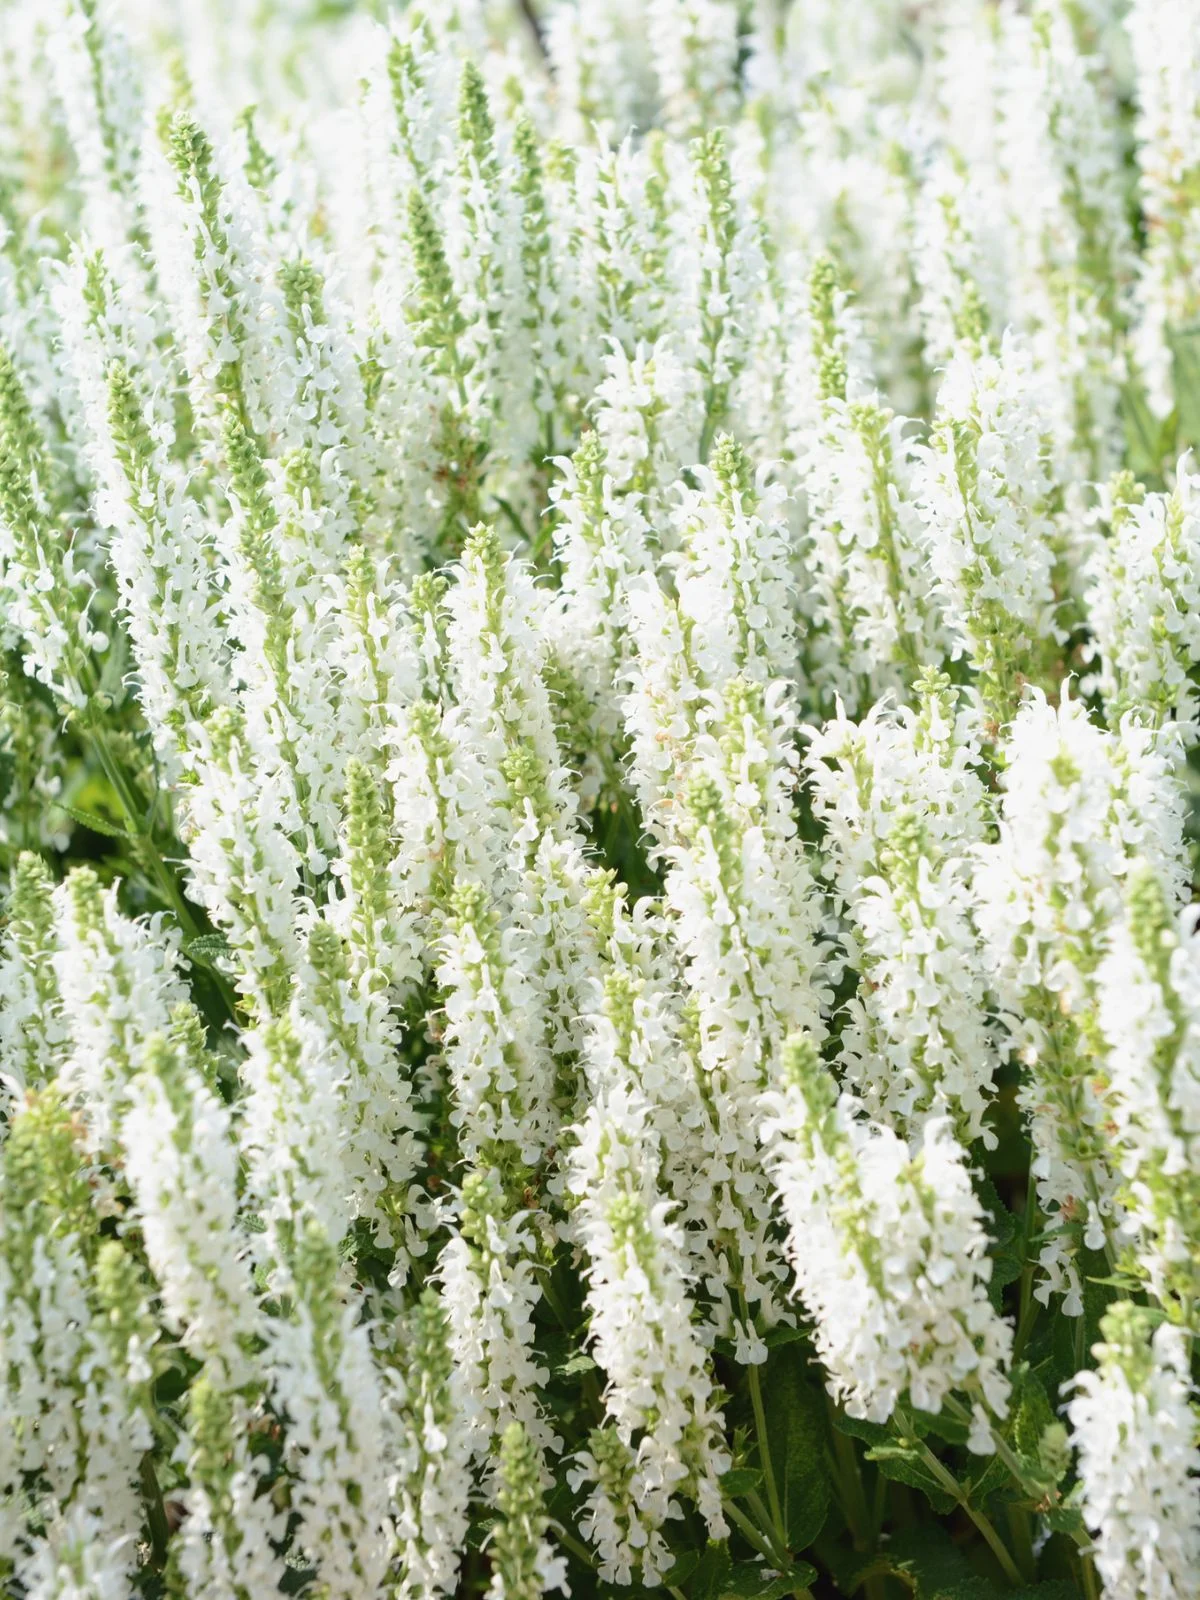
[325, 1381]
[865, 550]
[694, 49]
[525, 1564]
[1165, 39]
[79, 1337]
[658, 1384]
[1142, 603]
[1149, 1017]
[1069, 253]
[226, 1547]
[119, 984]
[984, 490]
[1080, 806]
[489, 1288]
[180, 1161]
[904, 809]
[432, 1487]
[33, 1033]
[889, 1248]
[1134, 1426]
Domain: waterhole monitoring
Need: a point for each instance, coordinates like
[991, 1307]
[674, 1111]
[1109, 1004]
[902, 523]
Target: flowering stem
[1028, 1310]
[955, 1489]
[1036, 1492]
[764, 1454]
[574, 1545]
[1018, 1523]
[1088, 1574]
[757, 1537]
[854, 1499]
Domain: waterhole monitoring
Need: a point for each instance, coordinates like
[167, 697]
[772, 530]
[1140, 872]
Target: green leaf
[1029, 1415]
[208, 948]
[682, 1567]
[749, 1580]
[1148, 441]
[797, 1439]
[1002, 1225]
[774, 1338]
[1007, 1266]
[581, 1362]
[901, 1460]
[935, 1567]
[952, 1429]
[94, 821]
[740, 1480]
[115, 672]
[712, 1570]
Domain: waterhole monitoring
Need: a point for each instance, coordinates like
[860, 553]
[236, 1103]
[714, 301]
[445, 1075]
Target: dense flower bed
[599, 625]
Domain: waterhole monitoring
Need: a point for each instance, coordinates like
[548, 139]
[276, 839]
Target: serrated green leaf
[1002, 1225]
[1031, 1415]
[94, 821]
[208, 947]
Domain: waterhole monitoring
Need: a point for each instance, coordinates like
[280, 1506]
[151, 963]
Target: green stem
[1028, 1305]
[137, 825]
[156, 1517]
[1088, 1573]
[1034, 1491]
[756, 1537]
[574, 1545]
[1018, 1527]
[955, 1490]
[853, 1495]
[764, 1455]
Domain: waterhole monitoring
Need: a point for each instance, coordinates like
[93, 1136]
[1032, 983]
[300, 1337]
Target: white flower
[489, 1290]
[1149, 1017]
[74, 1560]
[181, 1164]
[694, 48]
[325, 1382]
[33, 1032]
